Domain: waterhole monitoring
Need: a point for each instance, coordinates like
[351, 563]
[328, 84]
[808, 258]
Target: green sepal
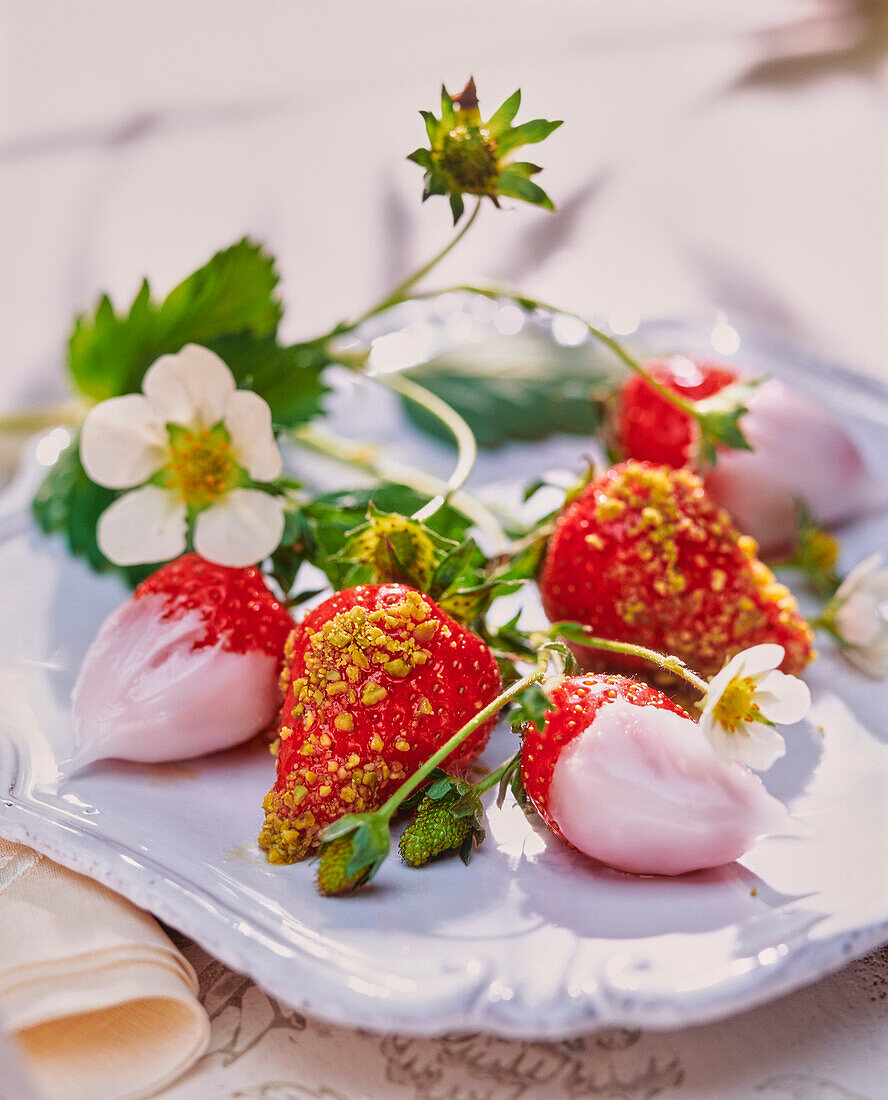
[513, 781]
[370, 843]
[718, 418]
[455, 564]
[448, 113]
[515, 186]
[432, 126]
[422, 157]
[528, 133]
[530, 708]
[467, 604]
[502, 117]
[521, 168]
[317, 530]
[397, 548]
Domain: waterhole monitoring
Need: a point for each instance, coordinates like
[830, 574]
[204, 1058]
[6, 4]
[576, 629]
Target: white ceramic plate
[532, 940]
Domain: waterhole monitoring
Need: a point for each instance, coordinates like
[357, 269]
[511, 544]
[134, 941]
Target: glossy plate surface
[532, 940]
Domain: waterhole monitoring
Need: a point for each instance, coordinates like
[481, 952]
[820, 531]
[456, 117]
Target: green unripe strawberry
[448, 817]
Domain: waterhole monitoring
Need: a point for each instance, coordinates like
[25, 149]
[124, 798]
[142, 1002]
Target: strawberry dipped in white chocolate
[187, 666]
[800, 454]
[625, 776]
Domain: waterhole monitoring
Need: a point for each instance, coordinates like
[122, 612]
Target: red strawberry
[187, 666]
[650, 429]
[625, 776]
[799, 453]
[644, 556]
[379, 678]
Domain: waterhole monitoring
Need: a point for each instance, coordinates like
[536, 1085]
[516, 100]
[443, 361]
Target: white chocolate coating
[643, 791]
[145, 694]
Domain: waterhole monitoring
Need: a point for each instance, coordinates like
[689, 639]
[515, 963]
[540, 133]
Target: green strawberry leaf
[229, 305]
[108, 353]
[288, 377]
[523, 390]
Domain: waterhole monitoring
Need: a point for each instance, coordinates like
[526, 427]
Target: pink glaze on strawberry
[624, 776]
[800, 454]
[152, 689]
[189, 665]
[643, 791]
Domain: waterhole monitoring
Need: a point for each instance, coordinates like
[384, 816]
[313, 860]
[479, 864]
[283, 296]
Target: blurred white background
[714, 152]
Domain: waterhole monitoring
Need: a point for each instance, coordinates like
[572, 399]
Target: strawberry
[649, 428]
[622, 774]
[799, 453]
[188, 665]
[379, 677]
[644, 556]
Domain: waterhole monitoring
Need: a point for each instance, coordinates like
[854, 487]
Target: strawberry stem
[362, 456]
[577, 633]
[491, 780]
[529, 305]
[466, 444]
[388, 808]
[398, 294]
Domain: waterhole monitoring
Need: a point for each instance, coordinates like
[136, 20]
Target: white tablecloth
[724, 154]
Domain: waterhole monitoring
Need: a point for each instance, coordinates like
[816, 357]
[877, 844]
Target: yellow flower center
[201, 466]
[736, 705]
[822, 549]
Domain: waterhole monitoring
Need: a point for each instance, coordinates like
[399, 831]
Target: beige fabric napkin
[100, 1004]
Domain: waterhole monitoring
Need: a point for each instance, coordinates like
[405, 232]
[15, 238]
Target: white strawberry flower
[189, 448]
[857, 616]
[746, 701]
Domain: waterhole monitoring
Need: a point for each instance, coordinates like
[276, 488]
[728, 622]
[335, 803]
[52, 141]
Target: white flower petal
[762, 746]
[244, 527]
[859, 575]
[783, 699]
[146, 525]
[873, 660]
[123, 442]
[718, 737]
[859, 618]
[761, 658]
[248, 420]
[192, 387]
[720, 681]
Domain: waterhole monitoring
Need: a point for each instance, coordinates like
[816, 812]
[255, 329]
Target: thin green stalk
[491, 780]
[494, 291]
[398, 293]
[670, 664]
[467, 447]
[35, 420]
[362, 456]
[388, 808]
